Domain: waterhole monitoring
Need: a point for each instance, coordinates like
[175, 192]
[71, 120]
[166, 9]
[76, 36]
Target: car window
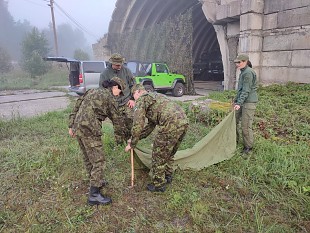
[132, 66]
[160, 68]
[93, 67]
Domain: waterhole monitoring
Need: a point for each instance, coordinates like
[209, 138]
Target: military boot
[153, 188]
[168, 179]
[95, 197]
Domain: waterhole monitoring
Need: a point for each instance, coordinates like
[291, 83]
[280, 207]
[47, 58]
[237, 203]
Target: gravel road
[29, 103]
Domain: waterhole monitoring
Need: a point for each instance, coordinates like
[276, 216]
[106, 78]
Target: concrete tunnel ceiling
[131, 15]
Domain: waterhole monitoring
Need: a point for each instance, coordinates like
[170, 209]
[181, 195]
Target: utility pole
[54, 26]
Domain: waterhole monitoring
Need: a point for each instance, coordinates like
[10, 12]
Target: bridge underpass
[275, 35]
[138, 15]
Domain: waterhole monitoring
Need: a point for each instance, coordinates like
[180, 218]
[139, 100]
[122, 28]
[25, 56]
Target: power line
[75, 21]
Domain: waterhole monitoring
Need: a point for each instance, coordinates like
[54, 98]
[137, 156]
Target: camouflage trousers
[165, 146]
[246, 115]
[93, 157]
[122, 128]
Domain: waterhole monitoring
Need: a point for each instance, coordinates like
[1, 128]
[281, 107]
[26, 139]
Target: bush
[5, 61]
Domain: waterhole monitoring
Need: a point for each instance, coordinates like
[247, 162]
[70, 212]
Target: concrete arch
[275, 34]
[132, 15]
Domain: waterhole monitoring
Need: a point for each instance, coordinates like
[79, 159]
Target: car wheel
[148, 87]
[178, 90]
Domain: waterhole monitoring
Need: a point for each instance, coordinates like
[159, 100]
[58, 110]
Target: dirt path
[29, 103]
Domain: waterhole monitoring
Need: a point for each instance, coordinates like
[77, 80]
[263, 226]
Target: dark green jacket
[158, 110]
[247, 87]
[124, 74]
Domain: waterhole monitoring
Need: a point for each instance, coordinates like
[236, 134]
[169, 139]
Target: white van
[83, 75]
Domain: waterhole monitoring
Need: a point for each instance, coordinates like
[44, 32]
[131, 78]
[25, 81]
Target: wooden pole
[54, 26]
[132, 168]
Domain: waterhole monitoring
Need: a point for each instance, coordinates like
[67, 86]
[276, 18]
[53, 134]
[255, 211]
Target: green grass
[43, 185]
[18, 79]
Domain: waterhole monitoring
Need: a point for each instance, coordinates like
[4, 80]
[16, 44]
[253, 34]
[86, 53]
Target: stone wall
[275, 34]
[286, 44]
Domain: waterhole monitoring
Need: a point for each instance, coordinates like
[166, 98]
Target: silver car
[83, 75]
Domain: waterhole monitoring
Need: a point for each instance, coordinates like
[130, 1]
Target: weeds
[44, 186]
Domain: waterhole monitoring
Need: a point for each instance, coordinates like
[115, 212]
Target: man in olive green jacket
[125, 102]
[246, 100]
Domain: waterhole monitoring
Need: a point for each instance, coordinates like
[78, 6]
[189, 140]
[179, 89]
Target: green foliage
[5, 61]
[268, 192]
[34, 48]
[79, 54]
[12, 31]
[18, 79]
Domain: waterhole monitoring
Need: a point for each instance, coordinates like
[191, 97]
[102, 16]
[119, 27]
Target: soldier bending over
[172, 125]
[85, 123]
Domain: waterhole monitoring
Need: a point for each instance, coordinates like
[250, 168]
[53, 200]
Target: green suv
[156, 76]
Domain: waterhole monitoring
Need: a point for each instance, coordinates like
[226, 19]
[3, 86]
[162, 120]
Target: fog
[79, 23]
[91, 16]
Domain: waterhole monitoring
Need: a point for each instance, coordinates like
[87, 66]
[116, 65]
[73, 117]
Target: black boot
[95, 197]
[246, 150]
[153, 188]
[168, 179]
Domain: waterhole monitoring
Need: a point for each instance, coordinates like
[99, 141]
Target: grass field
[44, 187]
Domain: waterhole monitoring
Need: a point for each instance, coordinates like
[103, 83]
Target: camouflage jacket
[124, 74]
[90, 110]
[158, 110]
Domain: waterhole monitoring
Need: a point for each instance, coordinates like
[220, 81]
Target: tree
[34, 48]
[11, 32]
[79, 54]
[5, 61]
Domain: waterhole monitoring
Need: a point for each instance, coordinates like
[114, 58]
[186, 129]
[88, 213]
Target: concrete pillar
[251, 31]
[209, 8]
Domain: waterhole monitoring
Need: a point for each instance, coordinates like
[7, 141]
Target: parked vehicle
[156, 76]
[83, 75]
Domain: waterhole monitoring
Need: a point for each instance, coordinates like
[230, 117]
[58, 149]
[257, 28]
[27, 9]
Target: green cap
[116, 59]
[137, 87]
[241, 57]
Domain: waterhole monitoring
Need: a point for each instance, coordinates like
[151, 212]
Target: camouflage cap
[241, 57]
[137, 87]
[119, 82]
[116, 59]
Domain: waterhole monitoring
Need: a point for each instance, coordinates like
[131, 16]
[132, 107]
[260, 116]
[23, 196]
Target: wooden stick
[132, 168]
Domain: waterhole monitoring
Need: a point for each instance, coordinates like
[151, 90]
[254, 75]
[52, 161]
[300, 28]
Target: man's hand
[131, 103]
[71, 132]
[128, 147]
[237, 107]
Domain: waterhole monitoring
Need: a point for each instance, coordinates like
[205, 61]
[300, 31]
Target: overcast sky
[93, 16]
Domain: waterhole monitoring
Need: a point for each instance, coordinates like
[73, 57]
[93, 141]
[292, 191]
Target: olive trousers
[246, 115]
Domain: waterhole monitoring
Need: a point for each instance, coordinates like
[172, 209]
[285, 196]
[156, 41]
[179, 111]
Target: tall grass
[18, 79]
[44, 187]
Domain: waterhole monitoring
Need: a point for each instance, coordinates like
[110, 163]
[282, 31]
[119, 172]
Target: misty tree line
[23, 44]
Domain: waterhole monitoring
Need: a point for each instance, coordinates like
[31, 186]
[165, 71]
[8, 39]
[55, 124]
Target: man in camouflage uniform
[172, 125]
[85, 123]
[125, 102]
